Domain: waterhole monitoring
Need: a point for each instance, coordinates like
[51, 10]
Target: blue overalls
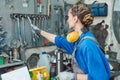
[89, 57]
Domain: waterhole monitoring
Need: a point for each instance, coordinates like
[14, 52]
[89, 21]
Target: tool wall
[49, 15]
[23, 31]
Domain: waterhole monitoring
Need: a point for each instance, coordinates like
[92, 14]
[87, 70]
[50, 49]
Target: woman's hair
[83, 12]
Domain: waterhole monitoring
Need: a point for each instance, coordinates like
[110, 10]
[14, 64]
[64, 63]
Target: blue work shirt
[89, 56]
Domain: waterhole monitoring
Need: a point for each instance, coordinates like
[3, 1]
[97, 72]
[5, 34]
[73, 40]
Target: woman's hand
[36, 30]
[82, 76]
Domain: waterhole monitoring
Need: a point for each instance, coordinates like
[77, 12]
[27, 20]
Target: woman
[90, 58]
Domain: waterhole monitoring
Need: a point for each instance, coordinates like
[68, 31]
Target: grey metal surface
[54, 24]
[12, 64]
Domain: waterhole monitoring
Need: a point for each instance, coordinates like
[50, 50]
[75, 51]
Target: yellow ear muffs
[73, 36]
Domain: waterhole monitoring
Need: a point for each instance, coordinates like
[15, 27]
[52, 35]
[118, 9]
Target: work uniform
[90, 58]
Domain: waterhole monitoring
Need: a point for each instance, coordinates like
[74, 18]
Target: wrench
[32, 26]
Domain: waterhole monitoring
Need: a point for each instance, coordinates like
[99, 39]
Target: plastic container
[36, 75]
[46, 74]
[44, 61]
[53, 78]
[1, 60]
[40, 73]
[30, 73]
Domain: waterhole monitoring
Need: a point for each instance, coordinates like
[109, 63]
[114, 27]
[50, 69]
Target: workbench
[11, 64]
[116, 68]
[8, 66]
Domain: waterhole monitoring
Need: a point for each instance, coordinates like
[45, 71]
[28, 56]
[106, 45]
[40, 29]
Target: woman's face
[71, 21]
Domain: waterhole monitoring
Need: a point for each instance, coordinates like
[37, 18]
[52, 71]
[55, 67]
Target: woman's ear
[75, 19]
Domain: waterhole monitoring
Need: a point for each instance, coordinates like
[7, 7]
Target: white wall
[108, 20]
[39, 50]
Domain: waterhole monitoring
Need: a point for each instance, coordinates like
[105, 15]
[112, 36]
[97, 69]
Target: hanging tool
[59, 22]
[22, 48]
[49, 8]
[18, 26]
[32, 26]
[37, 24]
[44, 26]
[23, 30]
[40, 26]
[16, 54]
[33, 32]
[34, 38]
[39, 6]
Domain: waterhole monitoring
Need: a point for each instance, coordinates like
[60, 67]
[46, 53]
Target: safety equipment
[73, 36]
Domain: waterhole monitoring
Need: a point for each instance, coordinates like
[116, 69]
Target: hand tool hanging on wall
[33, 36]
[44, 24]
[42, 27]
[49, 8]
[16, 55]
[3, 35]
[32, 32]
[59, 22]
[39, 6]
[36, 22]
[14, 27]
[39, 26]
[19, 30]
[66, 8]
[30, 22]
[24, 43]
[23, 31]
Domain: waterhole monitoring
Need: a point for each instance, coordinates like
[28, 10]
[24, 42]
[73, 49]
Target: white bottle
[44, 61]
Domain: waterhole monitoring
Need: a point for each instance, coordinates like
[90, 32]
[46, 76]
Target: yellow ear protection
[85, 16]
[73, 36]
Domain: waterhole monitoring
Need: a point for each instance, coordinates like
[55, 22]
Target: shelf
[115, 73]
[114, 60]
[11, 64]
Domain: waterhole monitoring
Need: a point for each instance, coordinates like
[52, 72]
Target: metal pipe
[59, 60]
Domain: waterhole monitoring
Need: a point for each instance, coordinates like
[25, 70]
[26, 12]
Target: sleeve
[98, 67]
[61, 42]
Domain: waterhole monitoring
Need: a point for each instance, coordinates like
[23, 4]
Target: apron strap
[74, 62]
